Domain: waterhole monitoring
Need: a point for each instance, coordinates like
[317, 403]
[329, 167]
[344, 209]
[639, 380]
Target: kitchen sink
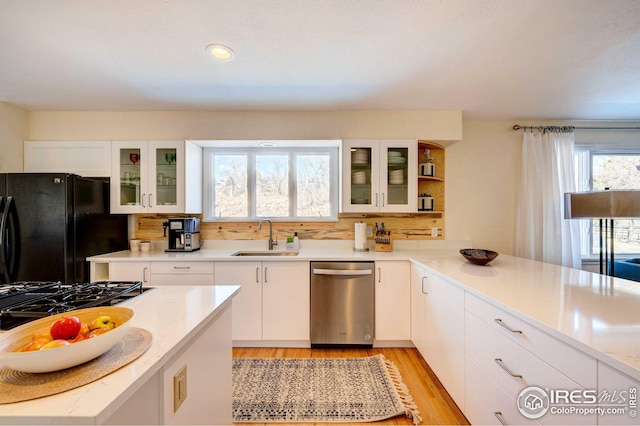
[265, 253]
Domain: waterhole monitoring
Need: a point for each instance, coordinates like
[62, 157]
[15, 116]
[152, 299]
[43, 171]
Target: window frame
[583, 155]
[252, 152]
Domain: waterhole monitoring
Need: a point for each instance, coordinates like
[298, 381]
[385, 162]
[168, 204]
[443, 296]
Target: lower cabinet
[620, 392]
[486, 403]
[130, 271]
[439, 328]
[273, 303]
[182, 273]
[506, 356]
[393, 301]
[163, 273]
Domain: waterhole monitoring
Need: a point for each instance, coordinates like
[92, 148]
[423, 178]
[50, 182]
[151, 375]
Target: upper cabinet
[379, 176]
[430, 177]
[84, 158]
[156, 177]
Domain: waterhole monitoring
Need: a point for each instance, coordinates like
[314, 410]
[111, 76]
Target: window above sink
[287, 183]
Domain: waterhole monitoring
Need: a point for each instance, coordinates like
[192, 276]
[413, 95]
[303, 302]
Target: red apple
[54, 344]
[66, 328]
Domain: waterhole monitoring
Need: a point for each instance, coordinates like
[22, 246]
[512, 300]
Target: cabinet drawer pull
[505, 368]
[500, 322]
[500, 418]
[182, 267]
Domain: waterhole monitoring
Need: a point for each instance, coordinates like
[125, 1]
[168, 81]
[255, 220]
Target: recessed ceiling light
[221, 52]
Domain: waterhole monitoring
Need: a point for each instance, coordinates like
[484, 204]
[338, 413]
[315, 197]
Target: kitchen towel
[360, 236]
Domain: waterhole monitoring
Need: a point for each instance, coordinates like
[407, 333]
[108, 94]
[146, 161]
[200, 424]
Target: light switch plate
[179, 388]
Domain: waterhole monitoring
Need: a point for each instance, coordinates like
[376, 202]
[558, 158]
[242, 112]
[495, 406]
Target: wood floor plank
[434, 403]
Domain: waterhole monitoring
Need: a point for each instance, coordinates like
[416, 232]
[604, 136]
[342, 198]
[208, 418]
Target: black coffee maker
[184, 233]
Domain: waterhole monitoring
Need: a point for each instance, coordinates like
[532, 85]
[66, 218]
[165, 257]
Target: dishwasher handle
[319, 271]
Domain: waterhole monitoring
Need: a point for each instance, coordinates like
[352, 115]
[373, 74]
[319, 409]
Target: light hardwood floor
[434, 403]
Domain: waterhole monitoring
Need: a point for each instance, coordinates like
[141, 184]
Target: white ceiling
[492, 59]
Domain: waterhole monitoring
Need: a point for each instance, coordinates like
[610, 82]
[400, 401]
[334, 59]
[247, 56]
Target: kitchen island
[191, 326]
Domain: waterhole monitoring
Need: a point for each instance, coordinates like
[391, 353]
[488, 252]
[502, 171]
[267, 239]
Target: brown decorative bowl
[478, 256]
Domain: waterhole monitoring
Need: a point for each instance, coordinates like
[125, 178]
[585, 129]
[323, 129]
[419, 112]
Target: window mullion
[251, 184]
[293, 173]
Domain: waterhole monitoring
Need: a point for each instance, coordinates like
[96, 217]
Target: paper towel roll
[360, 236]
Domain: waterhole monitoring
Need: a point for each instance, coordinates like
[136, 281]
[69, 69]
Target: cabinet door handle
[150, 200]
[144, 275]
[382, 195]
[500, 322]
[142, 200]
[182, 267]
[265, 274]
[423, 290]
[500, 418]
[505, 368]
[379, 275]
[376, 199]
[257, 275]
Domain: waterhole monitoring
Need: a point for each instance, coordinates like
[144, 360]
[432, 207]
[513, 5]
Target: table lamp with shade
[606, 206]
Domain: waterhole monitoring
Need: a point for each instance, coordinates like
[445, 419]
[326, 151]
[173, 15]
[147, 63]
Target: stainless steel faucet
[271, 241]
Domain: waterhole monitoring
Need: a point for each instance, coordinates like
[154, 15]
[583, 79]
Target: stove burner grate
[26, 301]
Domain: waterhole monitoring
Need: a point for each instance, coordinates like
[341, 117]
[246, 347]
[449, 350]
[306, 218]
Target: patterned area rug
[319, 390]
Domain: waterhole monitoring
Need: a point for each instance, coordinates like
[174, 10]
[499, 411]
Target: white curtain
[542, 232]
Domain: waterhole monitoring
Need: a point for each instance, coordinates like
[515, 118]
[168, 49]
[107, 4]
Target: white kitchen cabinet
[84, 158]
[156, 177]
[182, 273]
[285, 301]
[621, 391]
[441, 339]
[512, 368]
[393, 301]
[130, 271]
[486, 403]
[418, 326]
[379, 176]
[273, 303]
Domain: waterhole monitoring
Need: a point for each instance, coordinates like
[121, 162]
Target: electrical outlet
[179, 388]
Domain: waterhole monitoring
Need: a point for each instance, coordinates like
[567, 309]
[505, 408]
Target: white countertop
[190, 308]
[597, 314]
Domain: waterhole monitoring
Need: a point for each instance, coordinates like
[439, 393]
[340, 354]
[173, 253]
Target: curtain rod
[518, 127]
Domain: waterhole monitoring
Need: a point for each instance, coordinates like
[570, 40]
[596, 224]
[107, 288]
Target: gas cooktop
[25, 301]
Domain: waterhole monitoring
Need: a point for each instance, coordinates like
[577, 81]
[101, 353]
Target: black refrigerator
[50, 223]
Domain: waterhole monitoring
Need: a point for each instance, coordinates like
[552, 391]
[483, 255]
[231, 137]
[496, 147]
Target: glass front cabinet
[379, 176]
[148, 176]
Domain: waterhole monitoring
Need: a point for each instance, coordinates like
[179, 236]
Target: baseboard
[271, 343]
[393, 344]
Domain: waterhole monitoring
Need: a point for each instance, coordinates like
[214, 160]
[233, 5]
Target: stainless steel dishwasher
[342, 303]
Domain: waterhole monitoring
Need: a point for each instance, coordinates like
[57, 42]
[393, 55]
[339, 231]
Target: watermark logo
[533, 402]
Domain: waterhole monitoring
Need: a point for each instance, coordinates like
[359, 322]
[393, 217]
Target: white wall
[482, 181]
[14, 126]
[167, 125]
